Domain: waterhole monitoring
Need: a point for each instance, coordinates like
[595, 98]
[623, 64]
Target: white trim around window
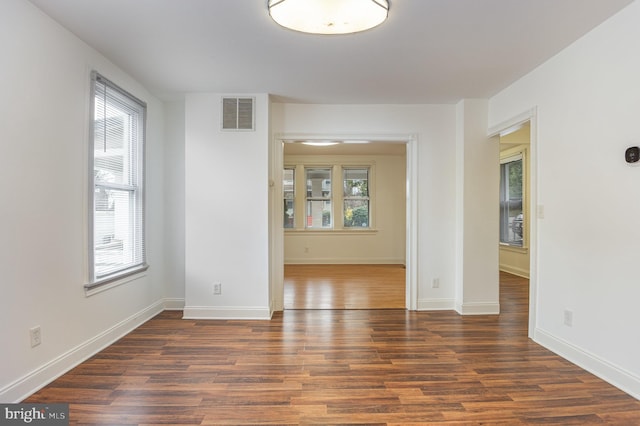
[116, 184]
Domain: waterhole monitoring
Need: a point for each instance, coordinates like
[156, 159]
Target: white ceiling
[429, 51]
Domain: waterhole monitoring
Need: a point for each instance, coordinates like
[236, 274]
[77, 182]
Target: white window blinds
[117, 182]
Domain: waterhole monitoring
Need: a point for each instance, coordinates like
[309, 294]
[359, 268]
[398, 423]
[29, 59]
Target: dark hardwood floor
[339, 367]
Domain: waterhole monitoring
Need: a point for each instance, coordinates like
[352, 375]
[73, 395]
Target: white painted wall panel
[226, 212]
[588, 103]
[44, 118]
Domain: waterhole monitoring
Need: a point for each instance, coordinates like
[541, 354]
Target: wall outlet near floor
[568, 318]
[217, 288]
[435, 283]
[36, 336]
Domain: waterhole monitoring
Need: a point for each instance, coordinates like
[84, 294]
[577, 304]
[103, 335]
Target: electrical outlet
[217, 288]
[568, 318]
[36, 336]
[435, 283]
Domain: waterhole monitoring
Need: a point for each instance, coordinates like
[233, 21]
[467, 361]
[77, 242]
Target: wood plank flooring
[344, 287]
[339, 367]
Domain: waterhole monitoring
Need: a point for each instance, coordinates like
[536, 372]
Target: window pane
[318, 198]
[356, 182]
[115, 237]
[115, 130]
[288, 185]
[318, 183]
[511, 205]
[356, 213]
[318, 214]
[289, 217]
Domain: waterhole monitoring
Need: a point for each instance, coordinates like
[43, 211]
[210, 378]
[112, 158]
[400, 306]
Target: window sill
[306, 232]
[115, 281]
[514, 249]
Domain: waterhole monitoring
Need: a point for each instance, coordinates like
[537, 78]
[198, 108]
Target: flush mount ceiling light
[320, 143]
[329, 16]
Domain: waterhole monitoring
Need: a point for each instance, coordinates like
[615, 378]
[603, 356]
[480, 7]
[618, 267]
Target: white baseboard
[478, 308]
[436, 304]
[524, 273]
[173, 304]
[342, 261]
[46, 373]
[227, 312]
[616, 376]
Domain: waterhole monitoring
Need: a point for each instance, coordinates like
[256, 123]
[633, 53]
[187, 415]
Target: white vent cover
[237, 114]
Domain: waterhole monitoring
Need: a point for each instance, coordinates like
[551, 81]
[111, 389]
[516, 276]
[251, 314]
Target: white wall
[385, 243]
[477, 183]
[588, 103]
[174, 187]
[434, 128]
[226, 212]
[44, 118]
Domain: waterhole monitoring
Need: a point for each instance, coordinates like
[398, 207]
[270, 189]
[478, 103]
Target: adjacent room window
[511, 201]
[356, 197]
[289, 190]
[117, 246]
[318, 198]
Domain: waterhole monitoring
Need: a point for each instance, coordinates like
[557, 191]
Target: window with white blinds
[117, 183]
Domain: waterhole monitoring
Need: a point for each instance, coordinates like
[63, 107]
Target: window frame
[511, 157]
[366, 198]
[135, 189]
[300, 164]
[292, 199]
[329, 198]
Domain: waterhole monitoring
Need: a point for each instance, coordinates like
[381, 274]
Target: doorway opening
[342, 220]
[514, 200]
[518, 216]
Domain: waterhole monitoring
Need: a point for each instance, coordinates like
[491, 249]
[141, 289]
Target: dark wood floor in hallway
[339, 367]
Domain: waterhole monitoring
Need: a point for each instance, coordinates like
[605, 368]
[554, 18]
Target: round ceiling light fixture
[329, 16]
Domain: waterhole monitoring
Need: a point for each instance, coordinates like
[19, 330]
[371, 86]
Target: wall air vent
[237, 113]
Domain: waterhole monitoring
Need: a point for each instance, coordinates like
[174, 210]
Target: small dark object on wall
[632, 154]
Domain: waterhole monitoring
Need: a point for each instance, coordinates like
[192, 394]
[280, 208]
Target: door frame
[276, 229]
[530, 116]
